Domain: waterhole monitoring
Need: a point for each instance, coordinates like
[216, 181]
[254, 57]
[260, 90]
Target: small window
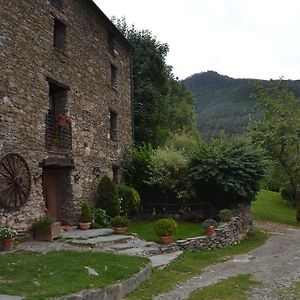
[113, 74]
[58, 4]
[111, 44]
[113, 125]
[116, 174]
[60, 33]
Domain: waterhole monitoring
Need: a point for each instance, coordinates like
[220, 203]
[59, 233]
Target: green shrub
[43, 223]
[136, 171]
[225, 215]
[107, 197]
[185, 142]
[168, 172]
[165, 227]
[119, 221]
[210, 222]
[129, 199]
[226, 173]
[86, 213]
[101, 219]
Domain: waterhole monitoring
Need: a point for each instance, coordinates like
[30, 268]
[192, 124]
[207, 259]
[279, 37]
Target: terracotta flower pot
[210, 230]
[8, 243]
[85, 226]
[119, 230]
[165, 240]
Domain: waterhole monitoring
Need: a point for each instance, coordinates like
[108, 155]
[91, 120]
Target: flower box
[53, 232]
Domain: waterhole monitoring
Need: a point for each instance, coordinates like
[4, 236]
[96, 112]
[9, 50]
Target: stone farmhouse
[65, 107]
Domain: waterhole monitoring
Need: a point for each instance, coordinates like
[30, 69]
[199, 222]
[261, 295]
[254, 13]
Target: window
[113, 125]
[113, 75]
[58, 122]
[60, 33]
[111, 44]
[57, 99]
[58, 4]
[116, 174]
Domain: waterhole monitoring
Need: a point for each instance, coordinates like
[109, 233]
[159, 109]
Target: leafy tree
[185, 142]
[168, 171]
[225, 173]
[136, 167]
[279, 130]
[162, 104]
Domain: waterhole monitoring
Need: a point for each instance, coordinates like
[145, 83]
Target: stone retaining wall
[112, 292]
[227, 234]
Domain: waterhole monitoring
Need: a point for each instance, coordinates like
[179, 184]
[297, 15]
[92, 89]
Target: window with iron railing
[58, 122]
[59, 133]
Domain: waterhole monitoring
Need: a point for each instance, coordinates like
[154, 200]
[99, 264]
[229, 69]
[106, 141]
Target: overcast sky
[238, 38]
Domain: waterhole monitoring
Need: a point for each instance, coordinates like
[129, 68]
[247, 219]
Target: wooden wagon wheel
[15, 181]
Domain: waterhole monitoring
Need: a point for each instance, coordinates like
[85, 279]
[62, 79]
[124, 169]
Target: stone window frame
[113, 76]
[113, 125]
[59, 34]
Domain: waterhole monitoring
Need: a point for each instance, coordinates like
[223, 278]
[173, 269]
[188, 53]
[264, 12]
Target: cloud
[249, 38]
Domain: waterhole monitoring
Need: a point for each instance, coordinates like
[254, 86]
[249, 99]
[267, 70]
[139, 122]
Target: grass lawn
[269, 206]
[40, 276]
[144, 229]
[191, 264]
[234, 288]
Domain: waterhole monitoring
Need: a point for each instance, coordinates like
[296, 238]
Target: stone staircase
[105, 240]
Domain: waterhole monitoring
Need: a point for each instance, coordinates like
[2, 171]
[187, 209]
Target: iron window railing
[58, 134]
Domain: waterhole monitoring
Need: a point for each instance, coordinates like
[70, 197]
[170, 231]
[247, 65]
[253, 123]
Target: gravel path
[276, 264]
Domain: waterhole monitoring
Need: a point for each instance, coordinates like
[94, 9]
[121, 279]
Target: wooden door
[52, 193]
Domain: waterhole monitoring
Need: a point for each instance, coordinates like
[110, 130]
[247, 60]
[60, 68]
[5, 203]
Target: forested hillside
[224, 103]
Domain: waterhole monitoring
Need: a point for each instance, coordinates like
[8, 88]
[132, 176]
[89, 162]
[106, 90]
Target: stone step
[101, 241]
[161, 260]
[86, 234]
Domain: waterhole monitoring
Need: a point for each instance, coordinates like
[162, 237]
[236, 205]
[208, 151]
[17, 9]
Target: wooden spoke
[15, 181]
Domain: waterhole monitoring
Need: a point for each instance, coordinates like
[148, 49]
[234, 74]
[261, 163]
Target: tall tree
[278, 132]
[162, 104]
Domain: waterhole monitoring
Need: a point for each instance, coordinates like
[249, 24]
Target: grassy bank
[269, 206]
[40, 276]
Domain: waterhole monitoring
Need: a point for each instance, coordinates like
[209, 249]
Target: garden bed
[40, 276]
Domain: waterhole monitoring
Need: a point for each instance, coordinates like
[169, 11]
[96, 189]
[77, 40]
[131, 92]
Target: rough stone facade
[227, 234]
[92, 69]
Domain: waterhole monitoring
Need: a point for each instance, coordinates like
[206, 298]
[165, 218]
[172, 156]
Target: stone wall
[27, 60]
[227, 234]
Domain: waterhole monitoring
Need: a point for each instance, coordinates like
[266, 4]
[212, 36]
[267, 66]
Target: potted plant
[165, 229]
[63, 120]
[209, 226]
[119, 224]
[45, 229]
[86, 217]
[225, 215]
[8, 236]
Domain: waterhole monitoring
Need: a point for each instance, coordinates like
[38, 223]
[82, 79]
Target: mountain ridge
[224, 103]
